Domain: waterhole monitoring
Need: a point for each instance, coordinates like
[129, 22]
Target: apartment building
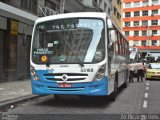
[141, 24]
[117, 12]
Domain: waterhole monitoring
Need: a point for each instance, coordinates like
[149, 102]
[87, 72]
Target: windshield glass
[69, 41]
[154, 66]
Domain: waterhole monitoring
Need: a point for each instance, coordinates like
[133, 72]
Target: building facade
[15, 36]
[141, 24]
[117, 12]
[17, 18]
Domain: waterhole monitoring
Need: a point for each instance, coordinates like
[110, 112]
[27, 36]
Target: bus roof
[71, 15]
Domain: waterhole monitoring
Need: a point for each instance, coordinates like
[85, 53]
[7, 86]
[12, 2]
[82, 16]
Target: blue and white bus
[78, 54]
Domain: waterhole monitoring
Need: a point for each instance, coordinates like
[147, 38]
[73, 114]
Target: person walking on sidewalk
[140, 71]
[131, 71]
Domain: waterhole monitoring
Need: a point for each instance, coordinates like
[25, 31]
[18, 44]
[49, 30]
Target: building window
[100, 1]
[136, 23]
[136, 43]
[154, 32]
[136, 13]
[143, 42]
[145, 23]
[154, 43]
[105, 6]
[118, 2]
[24, 3]
[115, 11]
[144, 33]
[145, 13]
[144, 3]
[127, 33]
[155, 2]
[136, 4]
[34, 6]
[109, 10]
[136, 33]
[127, 5]
[127, 24]
[50, 5]
[154, 12]
[127, 14]
[118, 16]
[154, 22]
[29, 5]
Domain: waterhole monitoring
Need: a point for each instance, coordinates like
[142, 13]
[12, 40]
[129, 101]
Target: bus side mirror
[110, 25]
[112, 36]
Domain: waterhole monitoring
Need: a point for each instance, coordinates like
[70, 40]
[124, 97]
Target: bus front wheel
[114, 93]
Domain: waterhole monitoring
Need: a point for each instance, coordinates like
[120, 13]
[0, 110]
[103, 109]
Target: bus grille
[65, 89]
[70, 76]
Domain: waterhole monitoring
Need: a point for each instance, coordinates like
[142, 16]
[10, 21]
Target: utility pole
[62, 4]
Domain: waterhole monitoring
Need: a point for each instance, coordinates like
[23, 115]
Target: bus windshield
[69, 41]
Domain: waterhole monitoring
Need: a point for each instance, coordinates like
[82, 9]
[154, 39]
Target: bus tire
[126, 81]
[56, 97]
[114, 93]
[125, 84]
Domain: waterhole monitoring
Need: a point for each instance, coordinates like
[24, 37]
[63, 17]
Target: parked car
[153, 71]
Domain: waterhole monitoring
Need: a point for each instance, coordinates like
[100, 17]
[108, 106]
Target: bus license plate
[64, 85]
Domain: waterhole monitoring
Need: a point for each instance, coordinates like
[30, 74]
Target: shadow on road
[76, 101]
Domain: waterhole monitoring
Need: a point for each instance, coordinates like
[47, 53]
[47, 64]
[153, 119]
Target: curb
[8, 103]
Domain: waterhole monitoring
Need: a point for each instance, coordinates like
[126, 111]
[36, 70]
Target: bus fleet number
[87, 70]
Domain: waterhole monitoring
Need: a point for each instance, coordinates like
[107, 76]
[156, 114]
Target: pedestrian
[144, 68]
[140, 71]
[131, 71]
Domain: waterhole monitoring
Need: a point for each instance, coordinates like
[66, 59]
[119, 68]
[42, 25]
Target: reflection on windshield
[154, 66]
[69, 41]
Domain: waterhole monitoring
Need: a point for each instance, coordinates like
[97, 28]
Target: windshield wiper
[48, 63]
[80, 62]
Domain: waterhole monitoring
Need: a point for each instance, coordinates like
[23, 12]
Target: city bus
[83, 54]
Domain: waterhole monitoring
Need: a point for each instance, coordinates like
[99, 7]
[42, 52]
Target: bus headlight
[34, 75]
[100, 73]
[99, 76]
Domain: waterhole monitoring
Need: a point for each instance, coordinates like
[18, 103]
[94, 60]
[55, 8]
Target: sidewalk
[15, 91]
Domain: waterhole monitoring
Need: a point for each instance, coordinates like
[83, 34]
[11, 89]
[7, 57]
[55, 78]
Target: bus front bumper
[96, 88]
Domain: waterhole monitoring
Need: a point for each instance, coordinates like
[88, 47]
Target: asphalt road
[138, 98]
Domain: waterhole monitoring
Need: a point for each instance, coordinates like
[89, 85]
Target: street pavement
[128, 105]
